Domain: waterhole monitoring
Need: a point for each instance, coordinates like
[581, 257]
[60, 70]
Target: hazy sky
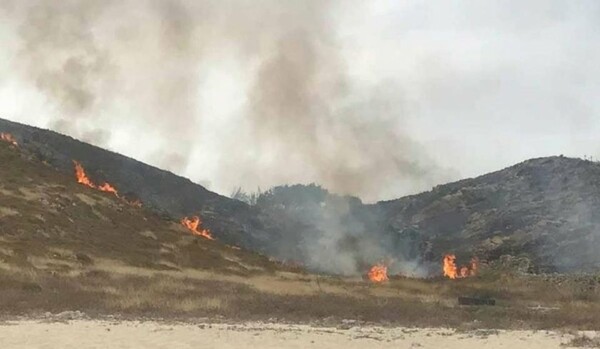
[373, 98]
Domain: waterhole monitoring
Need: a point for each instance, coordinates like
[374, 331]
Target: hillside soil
[67, 247]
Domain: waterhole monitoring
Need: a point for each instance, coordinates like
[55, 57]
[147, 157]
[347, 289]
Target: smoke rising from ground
[375, 100]
[106, 67]
[336, 234]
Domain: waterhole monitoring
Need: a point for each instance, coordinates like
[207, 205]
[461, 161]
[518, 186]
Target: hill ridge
[543, 209]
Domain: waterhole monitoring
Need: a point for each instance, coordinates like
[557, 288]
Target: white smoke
[375, 100]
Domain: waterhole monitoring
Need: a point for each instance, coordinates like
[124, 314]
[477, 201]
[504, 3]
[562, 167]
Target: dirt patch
[133, 334]
[7, 211]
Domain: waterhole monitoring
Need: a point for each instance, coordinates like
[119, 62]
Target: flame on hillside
[378, 273]
[194, 225]
[81, 176]
[83, 179]
[8, 138]
[451, 271]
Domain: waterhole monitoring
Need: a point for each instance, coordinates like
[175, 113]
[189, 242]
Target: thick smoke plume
[135, 75]
[370, 98]
[336, 234]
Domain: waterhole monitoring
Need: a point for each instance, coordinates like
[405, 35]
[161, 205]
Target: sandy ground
[131, 334]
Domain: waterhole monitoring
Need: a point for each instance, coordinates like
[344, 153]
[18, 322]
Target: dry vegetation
[110, 287]
[66, 247]
[583, 341]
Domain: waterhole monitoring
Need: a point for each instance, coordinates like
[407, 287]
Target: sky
[376, 99]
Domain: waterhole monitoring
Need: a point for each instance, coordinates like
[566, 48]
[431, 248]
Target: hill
[68, 247]
[543, 211]
[231, 221]
[64, 245]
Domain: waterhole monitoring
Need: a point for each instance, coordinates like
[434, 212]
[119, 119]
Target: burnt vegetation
[64, 246]
[543, 209]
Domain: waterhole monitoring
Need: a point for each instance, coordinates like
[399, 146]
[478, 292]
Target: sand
[133, 334]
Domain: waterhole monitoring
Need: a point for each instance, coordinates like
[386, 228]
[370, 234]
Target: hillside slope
[231, 221]
[64, 246]
[547, 209]
[543, 209]
[67, 247]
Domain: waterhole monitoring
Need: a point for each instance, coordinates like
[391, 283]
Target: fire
[451, 271]
[378, 273]
[83, 179]
[109, 189]
[7, 137]
[194, 224]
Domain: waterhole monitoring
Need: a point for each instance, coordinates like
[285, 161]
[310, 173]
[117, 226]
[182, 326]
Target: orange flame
[450, 266]
[194, 224]
[453, 272]
[7, 137]
[378, 273]
[109, 189]
[82, 178]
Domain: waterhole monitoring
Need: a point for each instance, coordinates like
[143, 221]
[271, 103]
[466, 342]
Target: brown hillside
[64, 246]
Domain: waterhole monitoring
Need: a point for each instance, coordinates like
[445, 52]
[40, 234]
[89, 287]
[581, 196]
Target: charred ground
[64, 246]
[546, 210]
[161, 191]
[543, 210]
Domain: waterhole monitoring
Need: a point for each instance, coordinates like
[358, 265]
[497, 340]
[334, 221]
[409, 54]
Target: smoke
[375, 99]
[100, 73]
[61, 58]
[303, 108]
[336, 234]
[134, 76]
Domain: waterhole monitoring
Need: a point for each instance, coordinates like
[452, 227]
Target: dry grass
[7, 211]
[109, 287]
[71, 248]
[583, 341]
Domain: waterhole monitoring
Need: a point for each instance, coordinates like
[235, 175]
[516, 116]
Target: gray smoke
[370, 98]
[335, 234]
[60, 57]
[94, 64]
[110, 67]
